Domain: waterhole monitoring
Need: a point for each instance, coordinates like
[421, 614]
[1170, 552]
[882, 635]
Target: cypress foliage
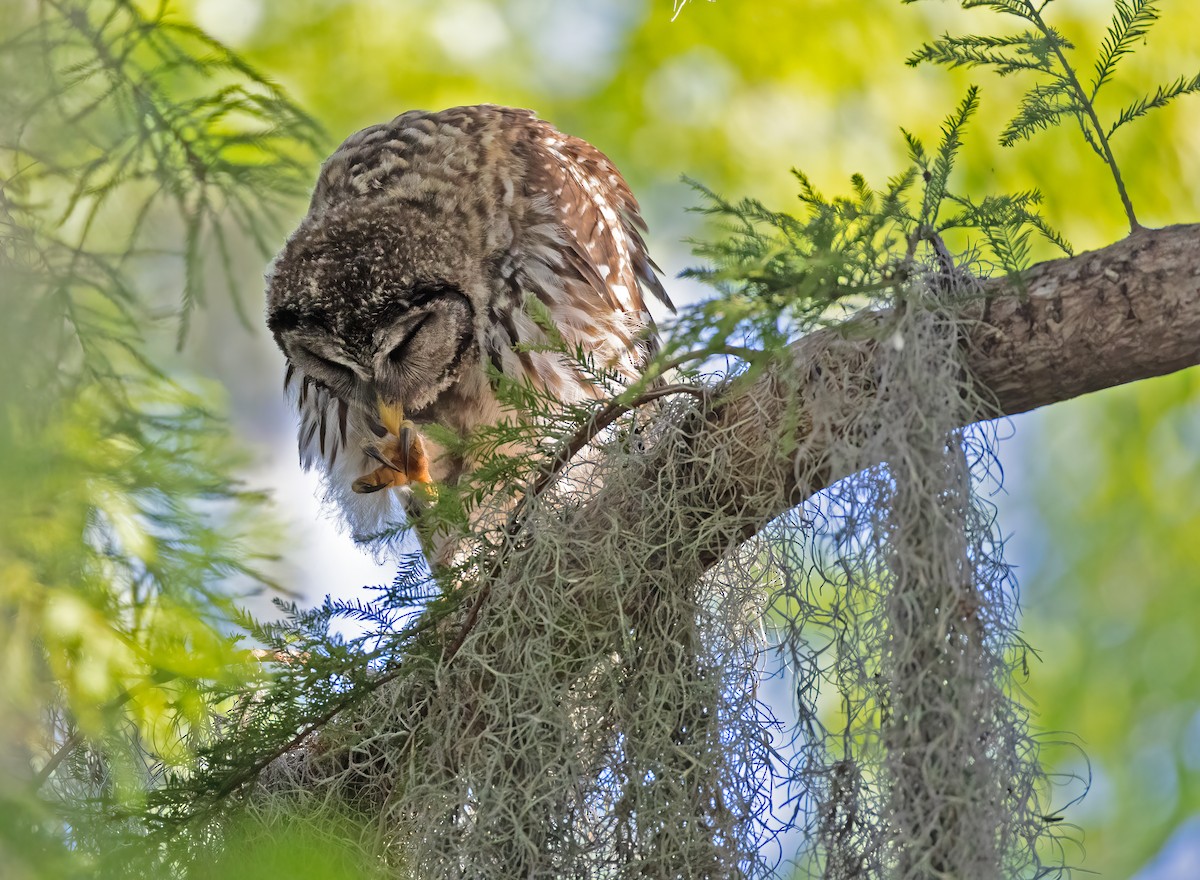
[559, 702]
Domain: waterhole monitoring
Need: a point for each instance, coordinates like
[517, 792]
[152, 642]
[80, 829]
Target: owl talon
[402, 459]
[412, 454]
[378, 456]
[366, 485]
[407, 435]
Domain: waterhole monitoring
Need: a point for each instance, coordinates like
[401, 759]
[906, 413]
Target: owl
[431, 245]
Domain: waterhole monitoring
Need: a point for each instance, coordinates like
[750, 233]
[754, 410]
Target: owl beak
[391, 415]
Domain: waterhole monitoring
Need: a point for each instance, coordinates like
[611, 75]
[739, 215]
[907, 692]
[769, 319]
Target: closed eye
[338, 378]
[400, 352]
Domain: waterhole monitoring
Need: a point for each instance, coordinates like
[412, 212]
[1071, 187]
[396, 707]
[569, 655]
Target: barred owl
[427, 240]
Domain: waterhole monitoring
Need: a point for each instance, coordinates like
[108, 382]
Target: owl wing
[593, 246]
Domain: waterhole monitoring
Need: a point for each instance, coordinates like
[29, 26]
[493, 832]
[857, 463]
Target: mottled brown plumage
[426, 240]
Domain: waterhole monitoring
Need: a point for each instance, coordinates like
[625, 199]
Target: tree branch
[1126, 312]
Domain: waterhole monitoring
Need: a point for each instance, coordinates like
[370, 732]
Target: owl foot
[402, 461]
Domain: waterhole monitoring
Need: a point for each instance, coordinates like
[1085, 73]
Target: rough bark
[1129, 311]
[1126, 312]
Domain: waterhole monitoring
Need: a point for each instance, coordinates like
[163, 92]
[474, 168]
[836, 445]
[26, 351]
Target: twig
[586, 433]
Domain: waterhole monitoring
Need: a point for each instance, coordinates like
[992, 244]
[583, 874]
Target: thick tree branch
[1129, 311]
[1126, 312]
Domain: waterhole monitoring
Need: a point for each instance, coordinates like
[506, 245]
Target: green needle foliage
[130, 147]
[780, 275]
[1059, 92]
[566, 698]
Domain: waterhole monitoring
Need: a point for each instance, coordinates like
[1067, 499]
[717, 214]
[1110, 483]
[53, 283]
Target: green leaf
[916, 149]
[943, 164]
[1041, 107]
[1001, 219]
[1162, 96]
[1130, 23]
[1020, 8]
[1006, 55]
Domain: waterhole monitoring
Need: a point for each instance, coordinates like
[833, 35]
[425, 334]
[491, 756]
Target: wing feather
[589, 264]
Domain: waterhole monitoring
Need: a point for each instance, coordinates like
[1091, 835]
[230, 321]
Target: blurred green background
[1102, 494]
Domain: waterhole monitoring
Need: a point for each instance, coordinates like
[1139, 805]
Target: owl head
[376, 303]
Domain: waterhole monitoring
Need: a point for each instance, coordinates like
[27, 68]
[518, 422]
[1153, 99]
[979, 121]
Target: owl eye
[404, 348]
[423, 350]
[338, 378]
